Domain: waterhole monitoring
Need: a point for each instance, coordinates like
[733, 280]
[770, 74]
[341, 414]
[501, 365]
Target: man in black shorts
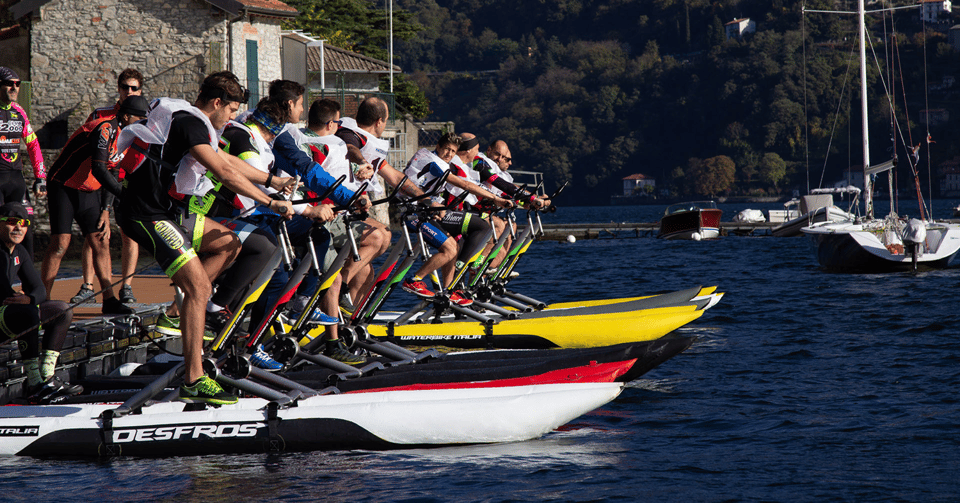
[148, 214]
[81, 188]
[21, 312]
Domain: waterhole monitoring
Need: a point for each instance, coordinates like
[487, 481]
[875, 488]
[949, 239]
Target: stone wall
[79, 47]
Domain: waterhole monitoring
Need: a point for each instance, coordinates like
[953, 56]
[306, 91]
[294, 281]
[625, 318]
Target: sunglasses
[22, 222]
[338, 122]
[10, 83]
[129, 88]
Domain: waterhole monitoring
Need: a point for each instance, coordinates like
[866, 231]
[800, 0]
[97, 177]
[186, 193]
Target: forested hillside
[593, 90]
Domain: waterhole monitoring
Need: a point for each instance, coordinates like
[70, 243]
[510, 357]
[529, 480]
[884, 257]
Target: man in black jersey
[22, 311]
[149, 214]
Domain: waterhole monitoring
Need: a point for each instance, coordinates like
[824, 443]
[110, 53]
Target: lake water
[803, 386]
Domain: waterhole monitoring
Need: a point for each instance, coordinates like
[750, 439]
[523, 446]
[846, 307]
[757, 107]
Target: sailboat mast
[867, 185]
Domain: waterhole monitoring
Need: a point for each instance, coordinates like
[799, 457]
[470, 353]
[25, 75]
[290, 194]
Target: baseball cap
[134, 105]
[13, 210]
[8, 74]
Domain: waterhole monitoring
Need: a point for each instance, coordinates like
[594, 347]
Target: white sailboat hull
[849, 246]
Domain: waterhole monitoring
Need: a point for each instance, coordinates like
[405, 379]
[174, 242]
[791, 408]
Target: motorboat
[818, 207]
[692, 220]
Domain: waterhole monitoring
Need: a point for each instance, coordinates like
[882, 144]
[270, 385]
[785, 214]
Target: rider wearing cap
[16, 130]
[22, 312]
[82, 189]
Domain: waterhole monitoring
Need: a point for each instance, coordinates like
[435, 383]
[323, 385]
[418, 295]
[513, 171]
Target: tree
[772, 169]
[713, 176]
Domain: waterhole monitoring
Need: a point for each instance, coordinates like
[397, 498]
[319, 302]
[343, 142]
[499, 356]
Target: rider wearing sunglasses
[129, 83]
[15, 130]
[22, 311]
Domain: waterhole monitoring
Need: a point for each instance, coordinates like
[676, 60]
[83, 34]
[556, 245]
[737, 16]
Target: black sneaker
[84, 294]
[126, 295]
[52, 391]
[216, 321]
[337, 350]
[114, 306]
[205, 390]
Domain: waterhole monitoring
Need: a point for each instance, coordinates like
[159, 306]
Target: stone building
[78, 47]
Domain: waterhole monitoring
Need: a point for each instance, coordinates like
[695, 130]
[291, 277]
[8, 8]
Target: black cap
[13, 210]
[8, 74]
[134, 105]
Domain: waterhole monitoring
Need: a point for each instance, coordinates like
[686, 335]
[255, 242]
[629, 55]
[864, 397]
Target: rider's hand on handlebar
[363, 203]
[502, 203]
[282, 208]
[284, 184]
[322, 212]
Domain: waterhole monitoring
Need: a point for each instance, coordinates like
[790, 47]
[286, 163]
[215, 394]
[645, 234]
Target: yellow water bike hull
[560, 331]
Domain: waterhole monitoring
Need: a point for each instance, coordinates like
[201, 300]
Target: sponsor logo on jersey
[14, 126]
[187, 432]
[19, 431]
[169, 233]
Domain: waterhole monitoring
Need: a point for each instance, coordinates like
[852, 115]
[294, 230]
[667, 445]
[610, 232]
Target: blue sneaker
[262, 360]
[318, 317]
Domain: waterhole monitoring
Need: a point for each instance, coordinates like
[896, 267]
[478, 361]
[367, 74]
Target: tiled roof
[272, 8]
[737, 21]
[262, 7]
[341, 60]
[636, 176]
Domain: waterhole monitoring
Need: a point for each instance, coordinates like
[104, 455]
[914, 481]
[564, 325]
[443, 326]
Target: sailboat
[889, 244]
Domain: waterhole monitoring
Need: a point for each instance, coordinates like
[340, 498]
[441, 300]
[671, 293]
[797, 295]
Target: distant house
[935, 11]
[77, 48]
[738, 27]
[949, 177]
[935, 116]
[637, 184]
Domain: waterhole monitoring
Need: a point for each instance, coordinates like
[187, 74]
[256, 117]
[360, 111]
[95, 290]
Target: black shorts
[67, 205]
[12, 187]
[169, 243]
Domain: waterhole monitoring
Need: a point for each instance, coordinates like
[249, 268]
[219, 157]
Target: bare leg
[372, 243]
[192, 279]
[102, 265]
[51, 260]
[330, 304]
[128, 258]
[86, 263]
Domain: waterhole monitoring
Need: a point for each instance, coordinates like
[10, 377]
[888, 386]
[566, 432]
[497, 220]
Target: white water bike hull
[375, 420]
[857, 247]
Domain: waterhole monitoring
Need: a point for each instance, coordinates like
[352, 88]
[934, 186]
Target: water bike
[506, 319]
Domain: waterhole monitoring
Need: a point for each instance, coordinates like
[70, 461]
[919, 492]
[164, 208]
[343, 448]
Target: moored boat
[692, 220]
